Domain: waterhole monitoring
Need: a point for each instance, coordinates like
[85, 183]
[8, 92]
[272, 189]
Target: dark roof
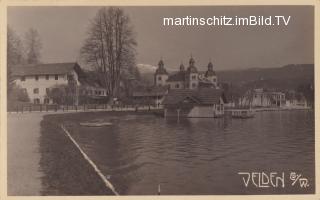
[210, 73]
[203, 96]
[161, 70]
[91, 78]
[178, 76]
[44, 69]
[151, 92]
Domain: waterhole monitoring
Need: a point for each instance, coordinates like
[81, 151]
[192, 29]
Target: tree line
[21, 51]
[109, 50]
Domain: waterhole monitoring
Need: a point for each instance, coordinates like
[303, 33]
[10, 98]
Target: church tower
[161, 75]
[192, 75]
[211, 76]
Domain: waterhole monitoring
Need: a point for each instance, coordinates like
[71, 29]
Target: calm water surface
[200, 156]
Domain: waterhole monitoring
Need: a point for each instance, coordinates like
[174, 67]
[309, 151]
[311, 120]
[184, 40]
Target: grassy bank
[65, 170]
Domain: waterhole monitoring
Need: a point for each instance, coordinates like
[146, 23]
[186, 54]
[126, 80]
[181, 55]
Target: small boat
[242, 113]
[96, 124]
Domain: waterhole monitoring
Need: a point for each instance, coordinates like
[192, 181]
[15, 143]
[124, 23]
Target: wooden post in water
[178, 112]
[159, 190]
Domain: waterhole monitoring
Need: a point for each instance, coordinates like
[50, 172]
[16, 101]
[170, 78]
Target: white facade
[161, 79]
[37, 80]
[38, 85]
[261, 98]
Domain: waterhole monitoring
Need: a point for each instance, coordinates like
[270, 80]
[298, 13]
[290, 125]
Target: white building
[38, 79]
[262, 98]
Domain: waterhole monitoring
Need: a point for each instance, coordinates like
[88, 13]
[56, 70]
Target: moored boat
[242, 113]
[96, 124]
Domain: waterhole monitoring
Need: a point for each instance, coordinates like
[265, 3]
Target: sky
[63, 30]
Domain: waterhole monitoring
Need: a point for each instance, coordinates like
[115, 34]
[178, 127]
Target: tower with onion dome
[192, 75]
[211, 76]
[161, 75]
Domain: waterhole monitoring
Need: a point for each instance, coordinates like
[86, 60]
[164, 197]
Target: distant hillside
[283, 78]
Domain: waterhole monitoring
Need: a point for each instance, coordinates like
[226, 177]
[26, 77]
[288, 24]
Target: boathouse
[204, 102]
[150, 96]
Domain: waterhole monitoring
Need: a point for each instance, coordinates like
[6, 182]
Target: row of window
[36, 77]
[193, 77]
[90, 92]
[193, 85]
[36, 90]
[95, 92]
[37, 101]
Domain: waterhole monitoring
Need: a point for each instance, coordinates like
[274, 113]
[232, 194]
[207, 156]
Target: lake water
[201, 156]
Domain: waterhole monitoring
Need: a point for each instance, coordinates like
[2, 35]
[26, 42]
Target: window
[177, 85]
[47, 77]
[56, 77]
[36, 77]
[194, 85]
[47, 90]
[159, 78]
[23, 78]
[214, 80]
[70, 77]
[46, 101]
[193, 77]
[36, 101]
[36, 91]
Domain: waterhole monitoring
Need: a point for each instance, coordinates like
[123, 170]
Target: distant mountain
[283, 78]
[146, 68]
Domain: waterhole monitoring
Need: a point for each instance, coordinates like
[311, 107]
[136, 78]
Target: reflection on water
[200, 155]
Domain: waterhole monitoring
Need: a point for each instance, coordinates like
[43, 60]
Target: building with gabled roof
[38, 79]
[150, 96]
[203, 102]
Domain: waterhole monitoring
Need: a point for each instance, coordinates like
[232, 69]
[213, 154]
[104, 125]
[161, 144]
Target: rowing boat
[96, 124]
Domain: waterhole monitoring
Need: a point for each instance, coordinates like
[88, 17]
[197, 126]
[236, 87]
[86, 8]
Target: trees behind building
[110, 49]
[20, 52]
[33, 45]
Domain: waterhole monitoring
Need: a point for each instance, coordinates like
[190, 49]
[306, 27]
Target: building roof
[151, 92]
[178, 76]
[210, 73]
[203, 96]
[161, 71]
[44, 69]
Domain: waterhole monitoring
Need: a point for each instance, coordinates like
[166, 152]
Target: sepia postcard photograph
[163, 100]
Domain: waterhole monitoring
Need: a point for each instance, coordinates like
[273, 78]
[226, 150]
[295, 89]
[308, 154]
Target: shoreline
[73, 175]
[64, 170]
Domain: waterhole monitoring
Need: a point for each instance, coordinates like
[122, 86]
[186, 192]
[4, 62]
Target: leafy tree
[62, 94]
[33, 46]
[110, 47]
[14, 55]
